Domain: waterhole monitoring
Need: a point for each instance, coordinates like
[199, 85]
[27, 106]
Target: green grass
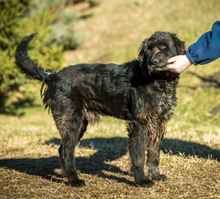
[190, 156]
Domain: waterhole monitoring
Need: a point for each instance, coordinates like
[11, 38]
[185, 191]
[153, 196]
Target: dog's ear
[142, 52]
[142, 57]
[180, 46]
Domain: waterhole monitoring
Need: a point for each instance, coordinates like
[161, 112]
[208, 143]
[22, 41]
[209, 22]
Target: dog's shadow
[99, 163]
[186, 148]
[106, 150]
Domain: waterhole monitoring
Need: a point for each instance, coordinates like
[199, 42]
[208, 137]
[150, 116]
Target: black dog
[139, 92]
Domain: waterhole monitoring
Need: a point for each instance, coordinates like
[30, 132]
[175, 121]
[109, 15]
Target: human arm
[205, 50]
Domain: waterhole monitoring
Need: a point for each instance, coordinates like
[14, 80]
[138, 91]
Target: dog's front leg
[137, 147]
[153, 159]
[153, 153]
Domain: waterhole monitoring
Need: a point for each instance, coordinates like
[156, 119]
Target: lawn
[190, 153]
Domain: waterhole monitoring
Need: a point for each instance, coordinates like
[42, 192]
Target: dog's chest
[164, 100]
[157, 100]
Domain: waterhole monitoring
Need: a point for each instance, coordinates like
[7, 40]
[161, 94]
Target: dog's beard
[154, 69]
[157, 68]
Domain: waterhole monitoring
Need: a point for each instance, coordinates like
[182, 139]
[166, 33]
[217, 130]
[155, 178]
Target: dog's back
[82, 82]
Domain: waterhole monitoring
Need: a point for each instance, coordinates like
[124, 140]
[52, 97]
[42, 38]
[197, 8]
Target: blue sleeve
[207, 48]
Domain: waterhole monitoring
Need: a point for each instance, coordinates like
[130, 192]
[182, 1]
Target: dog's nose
[154, 61]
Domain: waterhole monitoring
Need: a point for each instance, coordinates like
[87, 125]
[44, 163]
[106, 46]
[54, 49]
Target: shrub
[62, 31]
[18, 19]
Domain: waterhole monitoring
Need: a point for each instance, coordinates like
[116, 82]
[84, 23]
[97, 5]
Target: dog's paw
[144, 183]
[78, 183]
[63, 173]
[159, 177]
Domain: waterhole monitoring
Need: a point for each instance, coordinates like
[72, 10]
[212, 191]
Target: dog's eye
[150, 47]
[163, 46]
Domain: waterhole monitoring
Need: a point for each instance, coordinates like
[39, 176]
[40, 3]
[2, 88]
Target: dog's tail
[26, 65]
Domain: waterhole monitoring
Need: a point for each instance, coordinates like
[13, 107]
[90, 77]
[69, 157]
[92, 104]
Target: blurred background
[76, 31]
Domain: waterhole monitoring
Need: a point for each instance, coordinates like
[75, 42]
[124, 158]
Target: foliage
[62, 31]
[18, 19]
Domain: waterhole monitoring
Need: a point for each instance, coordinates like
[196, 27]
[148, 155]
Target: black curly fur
[138, 92]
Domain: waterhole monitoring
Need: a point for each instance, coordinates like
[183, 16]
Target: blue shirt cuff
[190, 58]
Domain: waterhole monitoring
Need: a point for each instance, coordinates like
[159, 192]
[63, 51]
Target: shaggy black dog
[139, 92]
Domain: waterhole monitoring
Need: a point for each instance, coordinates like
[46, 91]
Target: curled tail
[26, 65]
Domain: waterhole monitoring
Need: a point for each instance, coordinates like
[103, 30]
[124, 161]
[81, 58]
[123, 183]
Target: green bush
[54, 23]
[18, 19]
[62, 31]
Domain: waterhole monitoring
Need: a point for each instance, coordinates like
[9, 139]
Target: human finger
[171, 60]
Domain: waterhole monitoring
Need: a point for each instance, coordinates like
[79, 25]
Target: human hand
[177, 64]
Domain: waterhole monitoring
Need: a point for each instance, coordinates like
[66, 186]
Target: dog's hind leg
[70, 124]
[137, 137]
[83, 128]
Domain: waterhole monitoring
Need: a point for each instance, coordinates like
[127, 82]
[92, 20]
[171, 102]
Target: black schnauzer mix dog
[140, 92]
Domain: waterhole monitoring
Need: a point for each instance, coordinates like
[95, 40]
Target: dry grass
[30, 167]
[190, 155]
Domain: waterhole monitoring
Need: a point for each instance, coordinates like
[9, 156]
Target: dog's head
[156, 50]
